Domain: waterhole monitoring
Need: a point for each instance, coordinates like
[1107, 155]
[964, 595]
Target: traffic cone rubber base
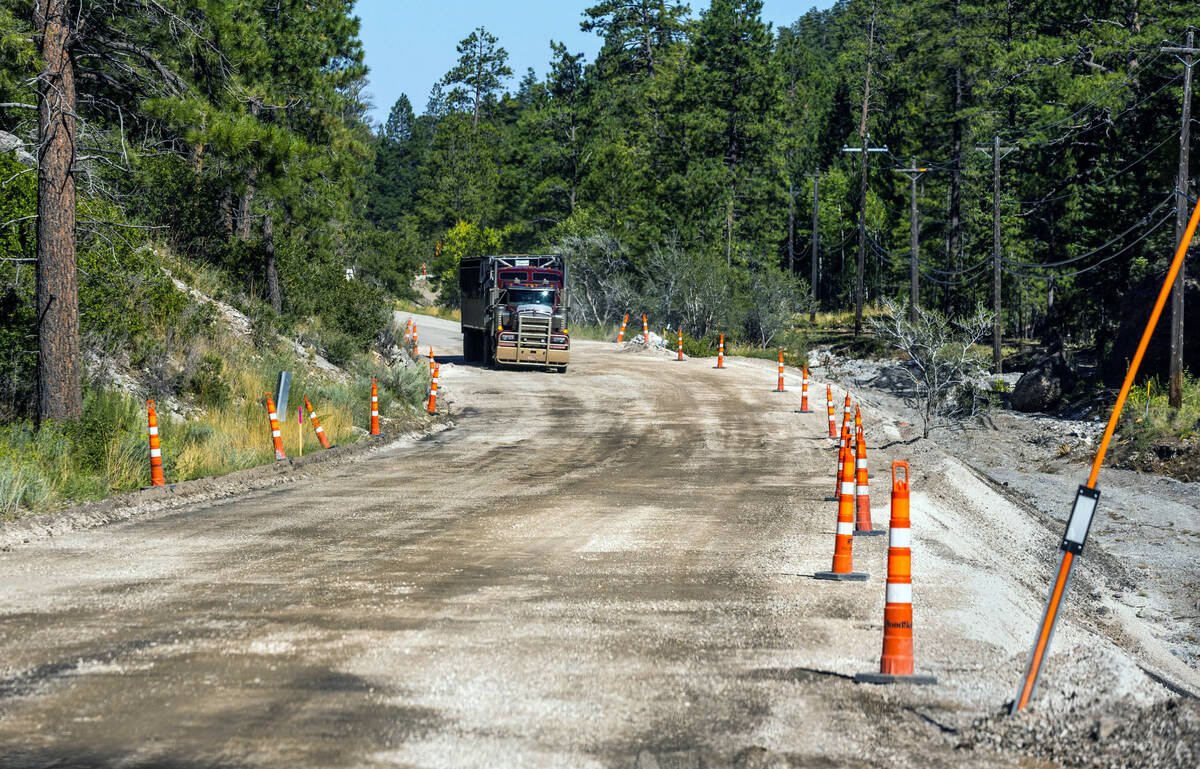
[853, 576]
[884, 678]
[869, 533]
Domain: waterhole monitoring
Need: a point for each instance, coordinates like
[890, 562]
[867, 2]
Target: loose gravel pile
[1165, 735]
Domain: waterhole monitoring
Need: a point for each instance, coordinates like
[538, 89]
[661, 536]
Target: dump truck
[514, 310]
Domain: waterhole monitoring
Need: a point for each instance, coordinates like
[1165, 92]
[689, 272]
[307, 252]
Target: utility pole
[866, 150]
[816, 236]
[1175, 389]
[998, 153]
[914, 231]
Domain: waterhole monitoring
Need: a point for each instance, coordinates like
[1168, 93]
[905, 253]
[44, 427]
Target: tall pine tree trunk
[268, 231]
[59, 389]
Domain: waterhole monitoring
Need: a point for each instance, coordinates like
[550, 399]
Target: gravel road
[607, 568]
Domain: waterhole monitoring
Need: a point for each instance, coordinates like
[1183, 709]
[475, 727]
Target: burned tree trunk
[59, 388]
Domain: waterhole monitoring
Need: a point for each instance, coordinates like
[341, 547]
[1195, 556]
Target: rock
[13, 144]
[1042, 387]
[1105, 726]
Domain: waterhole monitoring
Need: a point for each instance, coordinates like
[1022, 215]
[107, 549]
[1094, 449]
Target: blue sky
[410, 45]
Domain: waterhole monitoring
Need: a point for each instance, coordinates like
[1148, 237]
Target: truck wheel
[561, 369]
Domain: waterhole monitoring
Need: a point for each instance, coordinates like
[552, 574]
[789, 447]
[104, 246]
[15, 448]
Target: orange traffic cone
[645, 331]
[156, 472]
[721, 352]
[433, 384]
[829, 405]
[780, 389]
[621, 335]
[862, 491]
[843, 447]
[857, 419]
[843, 561]
[896, 662]
[316, 423]
[804, 392]
[276, 438]
[374, 407]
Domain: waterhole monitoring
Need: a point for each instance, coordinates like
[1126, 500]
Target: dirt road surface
[607, 568]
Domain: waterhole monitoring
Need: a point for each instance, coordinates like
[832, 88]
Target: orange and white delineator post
[433, 387]
[430, 359]
[721, 351]
[680, 344]
[846, 411]
[621, 335]
[862, 491]
[780, 389]
[316, 423]
[829, 405]
[857, 419]
[374, 407]
[276, 437]
[408, 329]
[804, 391]
[896, 662]
[843, 543]
[645, 331]
[156, 468]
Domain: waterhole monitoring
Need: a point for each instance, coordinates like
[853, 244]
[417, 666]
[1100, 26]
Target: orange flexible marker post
[829, 405]
[721, 351]
[276, 437]
[430, 359]
[621, 335]
[156, 466]
[862, 492]
[680, 344]
[316, 423]
[857, 419]
[896, 662]
[645, 331]
[804, 391]
[433, 388]
[846, 411]
[1087, 498]
[416, 343]
[779, 388]
[374, 407]
[843, 543]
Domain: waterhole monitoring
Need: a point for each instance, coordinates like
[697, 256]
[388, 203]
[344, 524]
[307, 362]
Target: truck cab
[514, 310]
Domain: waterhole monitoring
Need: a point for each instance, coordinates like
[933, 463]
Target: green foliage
[1148, 417]
[463, 239]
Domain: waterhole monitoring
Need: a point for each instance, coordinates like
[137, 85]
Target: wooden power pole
[816, 236]
[998, 153]
[914, 232]
[1175, 389]
[866, 150]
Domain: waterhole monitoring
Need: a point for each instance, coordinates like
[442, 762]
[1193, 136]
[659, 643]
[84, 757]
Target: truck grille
[533, 338]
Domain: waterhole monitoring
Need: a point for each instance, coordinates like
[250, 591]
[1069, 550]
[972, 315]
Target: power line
[1089, 105]
[1100, 263]
[1140, 222]
[1113, 175]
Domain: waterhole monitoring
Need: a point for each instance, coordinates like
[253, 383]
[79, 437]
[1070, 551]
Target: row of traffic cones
[157, 478]
[896, 663]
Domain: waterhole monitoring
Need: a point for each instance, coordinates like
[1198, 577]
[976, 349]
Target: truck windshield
[531, 296]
